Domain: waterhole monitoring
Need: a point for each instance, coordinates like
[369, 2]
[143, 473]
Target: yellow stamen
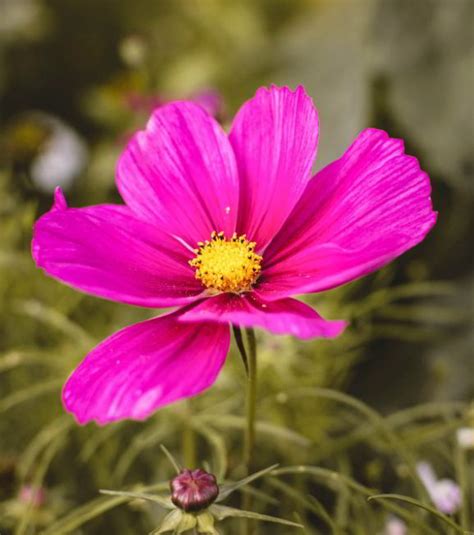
[227, 265]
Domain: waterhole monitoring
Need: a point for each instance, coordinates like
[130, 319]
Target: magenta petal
[356, 215]
[286, 316]
[275, 137]
[144, 367]
[180, 173]
[106, 251]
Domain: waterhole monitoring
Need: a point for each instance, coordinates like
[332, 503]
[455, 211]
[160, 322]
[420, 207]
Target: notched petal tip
[274, 135]
[299, 89]
[60, 202]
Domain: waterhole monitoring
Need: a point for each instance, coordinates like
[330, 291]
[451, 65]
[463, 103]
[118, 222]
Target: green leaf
[314, 506]
[29, 393]
[13, 359]
[171, 459]
[145, 439]
[421, 505]
[205, 523]
[335, 479]
[55, 428]
[221, 512]
[216, 441]
[332, 477]
[170, 522]
[161, 500]
[53, 318]
[97, 439]
[41, 469]
[394, 421]
[187, 522]
[230, 421]
[226, 490]
[80, 515]
[378, 420]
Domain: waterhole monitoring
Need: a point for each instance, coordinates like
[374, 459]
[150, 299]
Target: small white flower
[62, 158]
[395, 526]
[445, 493]
[465, 437]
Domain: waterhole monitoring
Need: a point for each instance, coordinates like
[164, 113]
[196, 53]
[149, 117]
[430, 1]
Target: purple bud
[193, 490]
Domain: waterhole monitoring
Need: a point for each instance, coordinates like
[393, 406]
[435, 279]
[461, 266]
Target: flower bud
[193, 490]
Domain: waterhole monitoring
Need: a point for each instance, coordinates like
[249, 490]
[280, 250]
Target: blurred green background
[77, 77]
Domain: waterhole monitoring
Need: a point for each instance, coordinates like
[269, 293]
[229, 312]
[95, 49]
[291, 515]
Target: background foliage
[76, 77]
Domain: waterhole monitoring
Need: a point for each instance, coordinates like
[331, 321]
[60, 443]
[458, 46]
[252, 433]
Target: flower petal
[275, 137]
[180, 173]
[144, 367]
[106, 251]
[356, 215]
[286, 316]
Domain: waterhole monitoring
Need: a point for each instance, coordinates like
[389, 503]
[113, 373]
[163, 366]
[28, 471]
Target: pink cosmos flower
[225, 228]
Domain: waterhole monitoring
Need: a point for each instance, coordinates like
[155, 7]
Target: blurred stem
[189, 438]
[343, 496]
[461, 473]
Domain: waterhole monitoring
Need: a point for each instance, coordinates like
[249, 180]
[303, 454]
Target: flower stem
[251, 406]
[240, 344]
[249, 358]
[189, 447]
[251, 400]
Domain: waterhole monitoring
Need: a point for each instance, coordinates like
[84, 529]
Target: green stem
[240, 344]
[249, 359]
[461, 477]
[251, 400]
[189, 438]
[189, 447]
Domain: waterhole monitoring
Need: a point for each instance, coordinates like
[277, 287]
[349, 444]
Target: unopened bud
[193, 490]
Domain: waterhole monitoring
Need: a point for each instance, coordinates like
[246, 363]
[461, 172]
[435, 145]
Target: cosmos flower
[445, 493]
[225, 229]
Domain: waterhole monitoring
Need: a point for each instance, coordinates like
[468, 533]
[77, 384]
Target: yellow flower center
[227, 265]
